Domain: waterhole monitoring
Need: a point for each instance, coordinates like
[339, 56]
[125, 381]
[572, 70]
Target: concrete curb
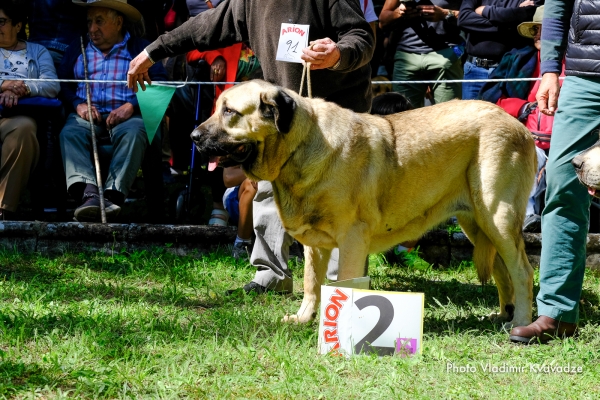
[436, 247]
[57, 238]
[441, 247]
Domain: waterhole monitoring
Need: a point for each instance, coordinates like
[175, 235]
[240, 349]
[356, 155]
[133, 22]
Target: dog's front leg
[315, 268]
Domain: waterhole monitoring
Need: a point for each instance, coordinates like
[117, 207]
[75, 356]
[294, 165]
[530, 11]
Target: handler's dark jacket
[574, 26]
[583, 47]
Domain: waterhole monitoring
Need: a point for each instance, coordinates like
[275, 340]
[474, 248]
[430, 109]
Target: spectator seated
[18, 127]
[114, 111]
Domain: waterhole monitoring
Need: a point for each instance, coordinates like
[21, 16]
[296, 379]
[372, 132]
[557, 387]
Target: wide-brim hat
[525, 27]
[121, 6]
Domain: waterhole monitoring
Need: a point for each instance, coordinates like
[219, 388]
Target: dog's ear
[280, 107]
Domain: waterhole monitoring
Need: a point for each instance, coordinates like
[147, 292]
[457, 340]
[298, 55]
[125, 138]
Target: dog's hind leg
[487, 261]
[315, 268]
[506, 292]
[504, 231]
[513, 254]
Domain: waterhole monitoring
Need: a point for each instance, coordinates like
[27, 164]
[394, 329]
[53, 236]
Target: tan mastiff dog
[364, 183]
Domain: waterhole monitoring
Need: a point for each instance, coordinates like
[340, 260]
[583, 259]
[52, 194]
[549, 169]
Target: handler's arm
[219, 27]
[557, 14]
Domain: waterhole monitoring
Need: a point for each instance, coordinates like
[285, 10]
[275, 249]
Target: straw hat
[525, 27]
[120, 5]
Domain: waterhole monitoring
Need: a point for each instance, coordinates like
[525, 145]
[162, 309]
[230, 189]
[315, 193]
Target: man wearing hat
[109, 47]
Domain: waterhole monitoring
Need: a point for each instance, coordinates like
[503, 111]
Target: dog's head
[587, 166]
[250, 121]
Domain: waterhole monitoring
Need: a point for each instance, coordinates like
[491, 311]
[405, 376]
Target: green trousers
[565, 219]
[437, 65]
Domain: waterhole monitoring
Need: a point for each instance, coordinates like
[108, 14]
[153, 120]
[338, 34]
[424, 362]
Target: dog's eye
[229, 111]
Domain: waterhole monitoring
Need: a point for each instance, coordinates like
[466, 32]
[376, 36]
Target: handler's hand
[138, 72]
[547, 94]
[82, 111]
[119, 115]
[322, 53]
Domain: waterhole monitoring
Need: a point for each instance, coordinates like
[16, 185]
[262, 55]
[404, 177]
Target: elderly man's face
[104, 27]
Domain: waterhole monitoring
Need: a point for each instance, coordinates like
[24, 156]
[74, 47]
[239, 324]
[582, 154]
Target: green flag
[153, 105]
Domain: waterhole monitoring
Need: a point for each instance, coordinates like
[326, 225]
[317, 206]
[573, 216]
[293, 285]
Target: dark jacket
[55, 23]
[493, 33]
[66, 71]
[583, 55]
[259, 24]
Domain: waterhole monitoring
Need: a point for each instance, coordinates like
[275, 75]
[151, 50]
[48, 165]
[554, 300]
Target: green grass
[153, 325]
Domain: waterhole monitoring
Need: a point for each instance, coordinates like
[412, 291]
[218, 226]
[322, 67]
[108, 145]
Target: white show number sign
[292, 39]
[363, 321]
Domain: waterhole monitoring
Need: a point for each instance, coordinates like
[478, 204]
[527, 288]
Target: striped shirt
[557, 15]
[106, 97]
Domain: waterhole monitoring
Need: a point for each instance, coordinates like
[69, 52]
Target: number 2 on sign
[292, 46]
[386, 315]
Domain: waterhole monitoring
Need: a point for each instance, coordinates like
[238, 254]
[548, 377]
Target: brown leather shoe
[542, 330]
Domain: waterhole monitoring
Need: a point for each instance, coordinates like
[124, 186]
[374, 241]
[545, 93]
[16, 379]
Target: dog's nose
[577, 162]
[195, 135]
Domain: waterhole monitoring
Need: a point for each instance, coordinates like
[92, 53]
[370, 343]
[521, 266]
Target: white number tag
[355, 321]
[292, 39]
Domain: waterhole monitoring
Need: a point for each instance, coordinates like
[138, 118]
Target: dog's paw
[500, 317]
[506, 315]
[298, 319]
[290, 319]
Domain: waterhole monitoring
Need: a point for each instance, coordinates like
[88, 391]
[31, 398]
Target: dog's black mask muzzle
[220, 149]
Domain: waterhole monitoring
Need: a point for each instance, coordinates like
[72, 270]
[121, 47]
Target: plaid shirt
[106, 97]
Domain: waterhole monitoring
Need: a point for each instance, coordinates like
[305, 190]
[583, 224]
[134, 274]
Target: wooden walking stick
[94, 144]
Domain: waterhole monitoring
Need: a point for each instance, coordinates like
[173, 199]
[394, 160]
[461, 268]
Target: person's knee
[71, 133]
[132, 134]
[24, 134]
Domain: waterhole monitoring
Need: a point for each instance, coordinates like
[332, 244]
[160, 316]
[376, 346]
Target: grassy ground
[149, 325]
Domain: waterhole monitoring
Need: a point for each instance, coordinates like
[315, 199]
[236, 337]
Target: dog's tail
[484, 254]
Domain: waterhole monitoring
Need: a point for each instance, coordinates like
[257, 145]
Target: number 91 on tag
[355, 321]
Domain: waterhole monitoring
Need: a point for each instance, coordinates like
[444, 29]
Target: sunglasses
[533, 30]
[3, 21]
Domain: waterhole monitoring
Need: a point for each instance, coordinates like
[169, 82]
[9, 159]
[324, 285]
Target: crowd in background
[433, 40]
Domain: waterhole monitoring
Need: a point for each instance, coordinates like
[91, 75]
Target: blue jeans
[470, 90]
[129, 142]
